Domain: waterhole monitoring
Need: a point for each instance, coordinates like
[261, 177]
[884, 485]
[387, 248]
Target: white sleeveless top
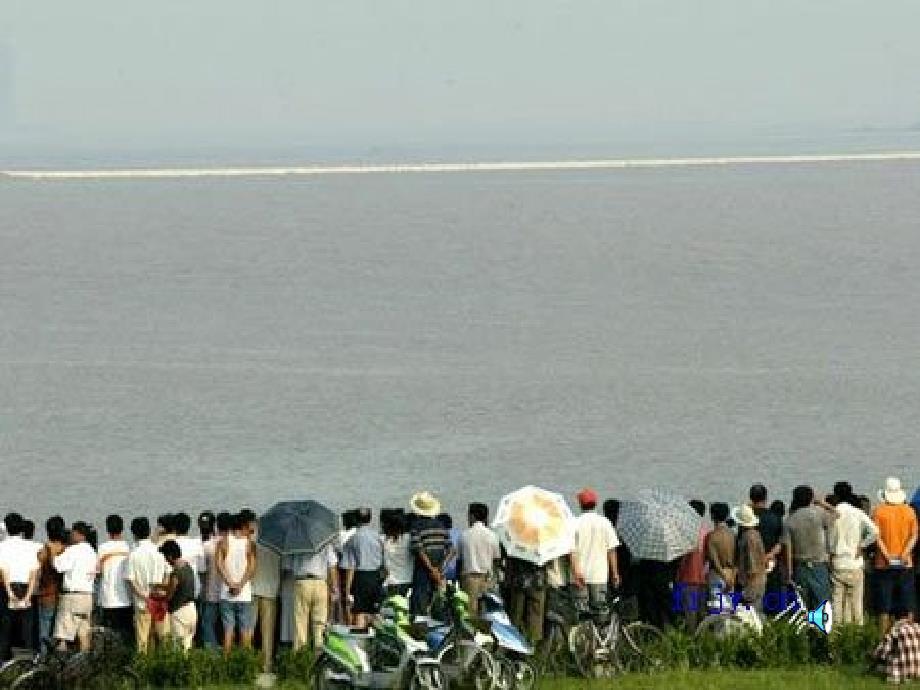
[235, 565]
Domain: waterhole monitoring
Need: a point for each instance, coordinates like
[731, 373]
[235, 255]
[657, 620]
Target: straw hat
[892, 493]
[425, 504]
[745, 517]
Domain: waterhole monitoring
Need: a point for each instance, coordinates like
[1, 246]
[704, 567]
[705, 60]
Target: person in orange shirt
[894, 567]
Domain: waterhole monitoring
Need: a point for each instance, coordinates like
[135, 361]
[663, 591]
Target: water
[171, 344]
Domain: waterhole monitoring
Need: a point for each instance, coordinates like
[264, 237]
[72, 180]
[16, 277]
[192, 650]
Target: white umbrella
[534, 525]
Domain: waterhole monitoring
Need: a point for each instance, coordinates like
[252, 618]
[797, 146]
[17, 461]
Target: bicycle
[105, 665]
[603, 646]
[596, 643]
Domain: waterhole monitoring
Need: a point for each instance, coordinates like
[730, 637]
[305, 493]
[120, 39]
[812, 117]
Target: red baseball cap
[587, 497]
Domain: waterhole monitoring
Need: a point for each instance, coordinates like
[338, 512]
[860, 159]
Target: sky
[349, 74]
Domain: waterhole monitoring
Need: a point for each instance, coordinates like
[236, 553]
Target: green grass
[808, 678]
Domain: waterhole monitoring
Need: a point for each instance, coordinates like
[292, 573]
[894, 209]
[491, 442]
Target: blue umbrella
[293, 527]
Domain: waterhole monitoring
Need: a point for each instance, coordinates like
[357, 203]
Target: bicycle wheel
[639, 647]
[428, 677]
[720, 625]
[480, 670]
[583, 643]
[525, 675]
[12, 669]
[39, 678]
[554, 659]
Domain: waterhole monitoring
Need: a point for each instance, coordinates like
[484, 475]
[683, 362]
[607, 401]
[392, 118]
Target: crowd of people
[158, 584]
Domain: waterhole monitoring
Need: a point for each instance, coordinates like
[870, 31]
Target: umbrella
[658, 526]
[534, 525]
[297, 527]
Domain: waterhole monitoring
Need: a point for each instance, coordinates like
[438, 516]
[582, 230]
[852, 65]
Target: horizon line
[455, 167]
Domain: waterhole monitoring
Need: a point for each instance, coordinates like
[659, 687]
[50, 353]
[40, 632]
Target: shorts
[74, 615]
[237, 615]
[367, 591]
[894, 590]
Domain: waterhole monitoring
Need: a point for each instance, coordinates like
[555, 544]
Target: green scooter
[385, 656]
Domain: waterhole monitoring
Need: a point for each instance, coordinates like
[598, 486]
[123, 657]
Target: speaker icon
[822, 617]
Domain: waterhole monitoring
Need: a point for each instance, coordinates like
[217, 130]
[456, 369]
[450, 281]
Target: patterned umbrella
[658, 526]
[534, 525]
[297, 527]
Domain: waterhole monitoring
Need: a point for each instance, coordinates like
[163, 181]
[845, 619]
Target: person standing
[720, 556]
[431, 550]
[315, 579]
[752, 558]
[19, 575]
[770, 526]
[362, 561]
[49, 580]
[397, 557]
[805, 537]
[897, 527]
[236, 563]
[192, 550]
[594, 556]
[77, 564]
[210, 608]
[179, 593]
[266, 586]
[146, 569]
[114, 592]
[480, 554]
[852, 533]
[527, 584]
[690, 584]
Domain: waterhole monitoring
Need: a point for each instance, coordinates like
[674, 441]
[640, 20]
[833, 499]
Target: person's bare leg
[228, 642]
[884, 621]
[246, 639]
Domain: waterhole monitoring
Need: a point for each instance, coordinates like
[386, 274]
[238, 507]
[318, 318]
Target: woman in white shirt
[397, 558]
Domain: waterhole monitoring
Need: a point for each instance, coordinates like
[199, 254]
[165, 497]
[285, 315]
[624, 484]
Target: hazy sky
[343, 73]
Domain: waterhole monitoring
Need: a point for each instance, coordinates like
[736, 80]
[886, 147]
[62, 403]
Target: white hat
[425, 504]
[745, 517]
[892, 493]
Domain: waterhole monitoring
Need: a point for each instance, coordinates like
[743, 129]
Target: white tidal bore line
[496, 166]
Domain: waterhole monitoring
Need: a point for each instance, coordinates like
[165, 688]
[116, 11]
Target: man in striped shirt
[431, 549]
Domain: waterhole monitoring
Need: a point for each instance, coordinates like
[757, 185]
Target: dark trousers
[655, 597]
[16, 627]
[121, 620]
[422, 592]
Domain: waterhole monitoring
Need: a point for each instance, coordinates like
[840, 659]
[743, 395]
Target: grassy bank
[807, 678]
[780, 657]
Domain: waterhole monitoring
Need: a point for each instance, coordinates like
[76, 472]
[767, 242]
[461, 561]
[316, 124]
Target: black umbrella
[297, 527]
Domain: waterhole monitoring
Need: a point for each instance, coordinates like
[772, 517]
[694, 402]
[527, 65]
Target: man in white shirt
[77, 563]
[479, 552]
[146, 568]
[210, 604]
[594, 559]
[192, 549]
[19, 573]
[114, 593]
[851, 532]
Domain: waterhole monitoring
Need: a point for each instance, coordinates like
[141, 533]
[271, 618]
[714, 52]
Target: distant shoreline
[452, 167]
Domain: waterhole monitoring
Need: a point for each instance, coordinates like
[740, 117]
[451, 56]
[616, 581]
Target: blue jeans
[209, 614]
[45, 626]
[814, 579]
